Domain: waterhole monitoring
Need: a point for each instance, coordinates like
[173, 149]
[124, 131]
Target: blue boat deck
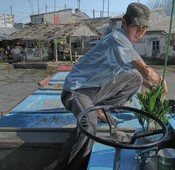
[104, 158]
[43, 111]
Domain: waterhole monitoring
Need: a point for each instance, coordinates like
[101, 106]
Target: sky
[22, 9]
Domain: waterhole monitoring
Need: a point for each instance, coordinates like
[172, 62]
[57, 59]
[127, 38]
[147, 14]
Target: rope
[169, 37]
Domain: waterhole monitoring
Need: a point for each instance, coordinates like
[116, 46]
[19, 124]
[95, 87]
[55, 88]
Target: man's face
[135, 32]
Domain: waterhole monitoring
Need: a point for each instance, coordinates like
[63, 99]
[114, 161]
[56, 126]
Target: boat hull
[30, 149]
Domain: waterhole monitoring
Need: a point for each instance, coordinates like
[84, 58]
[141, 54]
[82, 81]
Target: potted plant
[153, 102]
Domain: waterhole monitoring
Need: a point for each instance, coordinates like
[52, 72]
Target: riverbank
[34, 65]
[6, 66]
[54, 64]
[158, 61]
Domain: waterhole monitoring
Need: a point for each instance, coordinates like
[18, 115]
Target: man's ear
[123, 22]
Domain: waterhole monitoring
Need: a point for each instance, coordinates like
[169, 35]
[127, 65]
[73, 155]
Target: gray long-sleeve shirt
[111, 56]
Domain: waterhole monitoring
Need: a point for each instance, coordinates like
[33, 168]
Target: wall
[144, 47]
[6, 20]
[36, 54]
[64, 16]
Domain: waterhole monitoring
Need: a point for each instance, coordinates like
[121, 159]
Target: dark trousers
[76, 151]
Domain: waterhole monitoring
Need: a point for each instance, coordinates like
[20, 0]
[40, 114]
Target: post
[55, 51]
[117, 159]
[70, 48]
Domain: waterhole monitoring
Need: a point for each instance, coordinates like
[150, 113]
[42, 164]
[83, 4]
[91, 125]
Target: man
[109, 73]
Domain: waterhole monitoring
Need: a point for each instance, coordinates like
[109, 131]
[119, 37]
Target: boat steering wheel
[120, 139]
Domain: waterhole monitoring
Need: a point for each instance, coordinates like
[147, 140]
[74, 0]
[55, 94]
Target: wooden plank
[59, 77]
[65, 68]
[47, 92]
[50, 120]
[39, 103]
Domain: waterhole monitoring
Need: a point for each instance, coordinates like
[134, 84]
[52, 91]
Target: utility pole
[93, 13]
[78, 4]
[165, 6]
[54, 5]
[108, 8]
[45, 7]
[11, 10]
[54, 11]
[55, 41]
[38, 7]
[103, 8]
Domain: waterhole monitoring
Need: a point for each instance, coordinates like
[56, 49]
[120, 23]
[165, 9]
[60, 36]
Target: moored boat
[33, 132]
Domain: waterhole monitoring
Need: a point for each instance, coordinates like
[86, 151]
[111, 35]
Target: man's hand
[150, 76]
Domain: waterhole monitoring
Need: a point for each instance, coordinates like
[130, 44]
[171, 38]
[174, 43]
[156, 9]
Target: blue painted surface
[102, 158]
[59, 77]
[50, 120]
[172, 123]
[41, 102]
[47, 92]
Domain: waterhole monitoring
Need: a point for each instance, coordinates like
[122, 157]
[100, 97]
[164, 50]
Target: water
[16, 84]
[170, 79]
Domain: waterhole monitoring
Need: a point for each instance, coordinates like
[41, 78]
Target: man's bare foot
[101, 116]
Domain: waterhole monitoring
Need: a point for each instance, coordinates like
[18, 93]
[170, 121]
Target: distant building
[6, 20]
[50, 41]
[6, 26]
[58, 17]
[19, 25]
[116, 22]
[153, 44]
[79, 16]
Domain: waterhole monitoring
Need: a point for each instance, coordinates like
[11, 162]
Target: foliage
[153, 102]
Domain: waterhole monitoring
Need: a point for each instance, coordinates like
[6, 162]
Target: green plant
[153, 102]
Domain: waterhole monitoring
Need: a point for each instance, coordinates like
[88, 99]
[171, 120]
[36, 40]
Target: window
[156, 46]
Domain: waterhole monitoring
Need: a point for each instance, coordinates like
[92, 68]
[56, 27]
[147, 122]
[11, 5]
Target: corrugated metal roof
[49, 32]
[162, 25]
[6, 31]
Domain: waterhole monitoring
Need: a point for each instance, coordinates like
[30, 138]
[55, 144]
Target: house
[79, 16]
[6, 20]
[67, 34]
[6, 26]
[59, 17]
[6, 31]
[62, 41]
[103, 25]
[153, 44]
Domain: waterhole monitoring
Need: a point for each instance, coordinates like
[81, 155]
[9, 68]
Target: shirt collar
[123, 32]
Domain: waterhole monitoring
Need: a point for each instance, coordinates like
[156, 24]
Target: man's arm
[150, 76]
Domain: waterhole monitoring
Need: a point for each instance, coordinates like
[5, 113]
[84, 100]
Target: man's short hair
[127, 19]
